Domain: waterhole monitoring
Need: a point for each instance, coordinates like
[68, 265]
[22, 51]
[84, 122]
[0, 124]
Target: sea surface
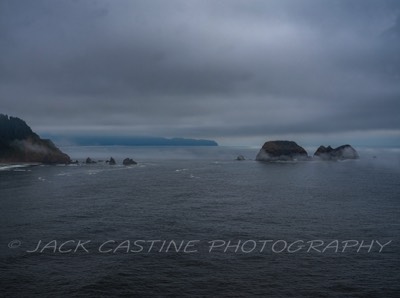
[196, 222]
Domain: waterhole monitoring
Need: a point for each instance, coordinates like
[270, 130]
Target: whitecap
[12, 167]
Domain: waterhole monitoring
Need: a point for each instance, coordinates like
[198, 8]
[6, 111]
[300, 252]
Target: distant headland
[105, 140]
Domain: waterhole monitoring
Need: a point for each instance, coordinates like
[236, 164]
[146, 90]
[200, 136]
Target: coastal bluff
[18, 143]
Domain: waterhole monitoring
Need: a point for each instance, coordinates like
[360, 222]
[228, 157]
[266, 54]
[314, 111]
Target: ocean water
[196, 222]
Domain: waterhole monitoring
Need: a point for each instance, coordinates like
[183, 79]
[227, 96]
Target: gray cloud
[212, 69]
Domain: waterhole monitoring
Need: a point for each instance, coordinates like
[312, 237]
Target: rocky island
[281, 151]
[339, 153]
[19, 144]
[290, 151]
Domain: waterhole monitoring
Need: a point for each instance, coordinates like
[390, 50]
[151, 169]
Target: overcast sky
[236, 71]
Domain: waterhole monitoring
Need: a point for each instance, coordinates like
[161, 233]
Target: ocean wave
[12, 167]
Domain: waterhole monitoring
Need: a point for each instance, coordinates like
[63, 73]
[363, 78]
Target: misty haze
[199, 148]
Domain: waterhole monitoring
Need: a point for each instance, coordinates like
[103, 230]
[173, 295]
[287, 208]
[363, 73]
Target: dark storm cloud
[202, 68]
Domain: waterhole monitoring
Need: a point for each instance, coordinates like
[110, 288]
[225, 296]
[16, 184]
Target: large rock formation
[339, 153]
[281, 150]
[18, 143]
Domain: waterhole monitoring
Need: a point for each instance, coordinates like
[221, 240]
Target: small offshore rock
[129, 161]
[240, 157]
[111, 161]
[89, 160]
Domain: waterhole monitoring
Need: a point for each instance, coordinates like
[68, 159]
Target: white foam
[12, 167]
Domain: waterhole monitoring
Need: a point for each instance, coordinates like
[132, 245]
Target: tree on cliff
[13, 128]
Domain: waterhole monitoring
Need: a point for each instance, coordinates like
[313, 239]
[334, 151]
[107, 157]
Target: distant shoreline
[130, 141]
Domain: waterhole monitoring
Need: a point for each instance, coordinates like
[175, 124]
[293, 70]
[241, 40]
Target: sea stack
[111, 161]
[339, 153]
[281, 151]
[19, 144]
[89, 161]
[128, 162]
